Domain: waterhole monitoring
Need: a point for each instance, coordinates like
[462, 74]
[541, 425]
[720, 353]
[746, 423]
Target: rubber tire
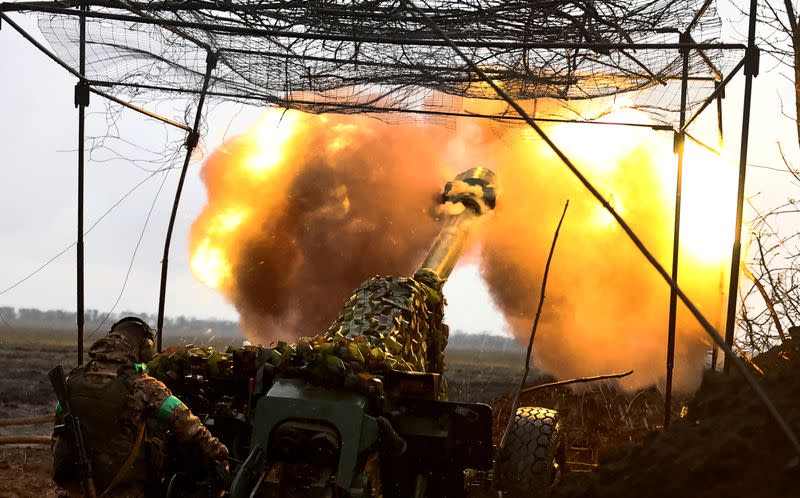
[528, 464]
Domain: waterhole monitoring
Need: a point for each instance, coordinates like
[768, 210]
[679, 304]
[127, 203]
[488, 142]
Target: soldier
[124, 414]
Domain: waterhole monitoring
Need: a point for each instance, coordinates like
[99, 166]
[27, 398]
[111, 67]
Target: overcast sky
[38, 130]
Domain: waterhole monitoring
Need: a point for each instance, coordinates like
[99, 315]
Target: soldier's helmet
[138, 335]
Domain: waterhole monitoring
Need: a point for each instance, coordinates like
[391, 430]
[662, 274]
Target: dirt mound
[726, 444]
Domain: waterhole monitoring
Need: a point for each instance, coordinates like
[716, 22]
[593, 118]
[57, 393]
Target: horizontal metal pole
[140, 110]
[265, 8]
[385, 40]
[372, 108]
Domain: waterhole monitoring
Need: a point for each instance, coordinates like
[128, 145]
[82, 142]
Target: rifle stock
[58, 379]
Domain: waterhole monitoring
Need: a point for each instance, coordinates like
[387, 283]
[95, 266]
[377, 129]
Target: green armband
[167, 407]
[140, 367]
[59, 410]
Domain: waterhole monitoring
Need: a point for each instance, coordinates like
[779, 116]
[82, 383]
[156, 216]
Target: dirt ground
[726, 444]
[24, 388]
[722, 442]
[25, 391]
[24, 471]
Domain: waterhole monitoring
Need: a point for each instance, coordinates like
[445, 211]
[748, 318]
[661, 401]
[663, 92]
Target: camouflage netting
[390, 323]
[401, 317]
[379, 56]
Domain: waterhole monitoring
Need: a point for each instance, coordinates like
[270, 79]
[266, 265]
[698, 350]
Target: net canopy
[381, 56]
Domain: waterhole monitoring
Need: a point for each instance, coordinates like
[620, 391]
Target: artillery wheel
[530, 463]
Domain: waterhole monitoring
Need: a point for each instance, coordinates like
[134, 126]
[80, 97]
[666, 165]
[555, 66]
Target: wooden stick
[576, 381]
[49, 419]
[25, 440]
[765, 296]
[524, 379]
[748, 360]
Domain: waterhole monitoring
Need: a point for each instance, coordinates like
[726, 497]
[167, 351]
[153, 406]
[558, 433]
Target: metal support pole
[680, 139]
[720, 96]
[750, 71]
[140, 110]
[81, 101]
[191, 143]
[721, 140]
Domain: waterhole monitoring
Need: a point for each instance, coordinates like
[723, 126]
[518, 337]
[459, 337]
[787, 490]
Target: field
[25, 358]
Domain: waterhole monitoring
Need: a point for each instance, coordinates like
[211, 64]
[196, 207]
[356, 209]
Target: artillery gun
[360, 411]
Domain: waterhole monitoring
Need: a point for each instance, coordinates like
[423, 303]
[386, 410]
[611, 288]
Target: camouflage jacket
[142, 401]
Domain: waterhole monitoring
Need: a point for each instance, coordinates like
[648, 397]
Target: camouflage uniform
[143, 404]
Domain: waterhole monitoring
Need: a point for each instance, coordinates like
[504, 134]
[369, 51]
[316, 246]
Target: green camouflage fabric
[401, 317]
[389, 323]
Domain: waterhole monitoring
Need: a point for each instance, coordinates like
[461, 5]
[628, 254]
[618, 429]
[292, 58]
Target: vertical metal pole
[720, 96]
[750, 70]
[721, 141]
[676, 236]
[191, 143]
[81, 101]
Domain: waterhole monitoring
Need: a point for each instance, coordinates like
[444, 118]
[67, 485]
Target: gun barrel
[465, 199]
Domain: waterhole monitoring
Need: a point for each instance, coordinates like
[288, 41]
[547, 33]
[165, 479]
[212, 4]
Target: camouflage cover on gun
[389, 323]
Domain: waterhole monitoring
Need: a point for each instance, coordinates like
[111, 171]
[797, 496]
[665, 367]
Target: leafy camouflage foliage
[389, 323]
[400, 317]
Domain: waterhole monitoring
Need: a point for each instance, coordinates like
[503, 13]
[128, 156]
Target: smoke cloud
[606, 309]
[337, 200]
[303, 208]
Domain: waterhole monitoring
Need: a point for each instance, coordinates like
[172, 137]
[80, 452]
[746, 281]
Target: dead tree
[771, 303]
